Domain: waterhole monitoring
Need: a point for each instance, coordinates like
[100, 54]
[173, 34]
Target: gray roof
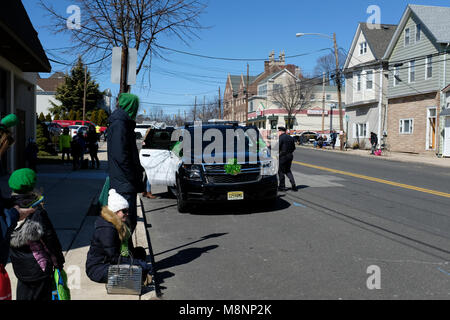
[378, 38]
[435, 19]
[236, 82]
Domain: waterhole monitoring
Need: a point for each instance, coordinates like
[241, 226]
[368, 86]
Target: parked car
[54, 128]
[67, 123]
[307, 137]
[73, 130]
[141, 130]
[196, 181]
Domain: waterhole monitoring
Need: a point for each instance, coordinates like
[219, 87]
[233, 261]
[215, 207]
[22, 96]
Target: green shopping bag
[62, 291]
[103, 198]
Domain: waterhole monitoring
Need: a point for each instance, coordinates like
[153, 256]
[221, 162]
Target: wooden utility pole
[203, 111]
[246, 97]
[85, 89]
[220, 107]
[124, 70]
[195, 108]
[323, 103]
[338, 82]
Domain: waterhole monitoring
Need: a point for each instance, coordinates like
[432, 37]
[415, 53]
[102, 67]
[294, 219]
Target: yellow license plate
[238, 195]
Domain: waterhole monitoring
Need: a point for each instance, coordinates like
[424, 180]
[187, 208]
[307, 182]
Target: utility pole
[195, 108]
[338, 82]
[220, 108]
[85, 89]
[124, 70]
[323, 103]
[246, 97]
[203, 111]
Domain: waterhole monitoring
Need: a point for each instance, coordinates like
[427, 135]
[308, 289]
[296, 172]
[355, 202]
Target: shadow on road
[240, 208]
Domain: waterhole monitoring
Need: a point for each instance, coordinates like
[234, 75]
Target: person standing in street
[333, 136]
[373, 141]
[286, 156]
[9, 215]
[124, 167]
[92, 143]
[64, 144]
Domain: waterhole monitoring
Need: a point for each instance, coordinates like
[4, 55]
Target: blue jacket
[125, 170]
[8, 221]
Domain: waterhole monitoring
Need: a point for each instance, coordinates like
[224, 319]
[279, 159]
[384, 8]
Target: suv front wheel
[182, 205]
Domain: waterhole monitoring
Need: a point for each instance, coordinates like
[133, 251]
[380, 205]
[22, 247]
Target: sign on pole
[117, 65]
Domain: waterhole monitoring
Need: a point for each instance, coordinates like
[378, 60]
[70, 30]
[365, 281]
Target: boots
[148, 195]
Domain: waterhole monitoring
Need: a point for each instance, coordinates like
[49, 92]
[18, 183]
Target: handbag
[62, 291]
[124, 278]
[5, 284]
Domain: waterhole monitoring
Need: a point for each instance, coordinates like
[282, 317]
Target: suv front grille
[227, 178]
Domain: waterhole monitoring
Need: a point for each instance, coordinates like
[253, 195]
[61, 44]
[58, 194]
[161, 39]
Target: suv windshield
[159, 139]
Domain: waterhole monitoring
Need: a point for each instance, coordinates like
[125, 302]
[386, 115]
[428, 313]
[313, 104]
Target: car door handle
[146, 155]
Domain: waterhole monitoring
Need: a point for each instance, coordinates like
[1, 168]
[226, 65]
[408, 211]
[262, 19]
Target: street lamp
[337, 76]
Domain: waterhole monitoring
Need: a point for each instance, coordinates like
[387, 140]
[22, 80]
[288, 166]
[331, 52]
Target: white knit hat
[116, 202]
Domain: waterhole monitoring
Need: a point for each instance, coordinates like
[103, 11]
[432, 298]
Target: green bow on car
[232, 167]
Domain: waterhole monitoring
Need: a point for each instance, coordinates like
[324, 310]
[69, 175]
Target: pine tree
[41, 138]
[71, 93]
[78, 115]
[56, 117]
[102, 118]
[48, 117]
[71, 115]
[41, 117]
[94, 117]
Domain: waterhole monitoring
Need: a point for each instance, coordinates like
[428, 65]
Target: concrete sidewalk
[423, 158]
[68, 199]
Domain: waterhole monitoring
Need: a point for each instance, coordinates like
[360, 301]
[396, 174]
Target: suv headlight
[268, 168]
[193, 172]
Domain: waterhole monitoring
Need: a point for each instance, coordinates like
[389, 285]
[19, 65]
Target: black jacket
[37, 227]
[286, 144]
[125, 170]
[105, 246]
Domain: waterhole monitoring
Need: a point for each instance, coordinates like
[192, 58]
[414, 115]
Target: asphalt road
[340, 237]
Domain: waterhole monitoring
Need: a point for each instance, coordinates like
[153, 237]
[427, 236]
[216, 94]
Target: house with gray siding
[366, 82]
[419, 71]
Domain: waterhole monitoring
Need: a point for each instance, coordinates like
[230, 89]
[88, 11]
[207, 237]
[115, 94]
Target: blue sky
[247, 29]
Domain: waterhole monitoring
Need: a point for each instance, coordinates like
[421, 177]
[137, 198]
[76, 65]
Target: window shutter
[367, 130]
[355, 135]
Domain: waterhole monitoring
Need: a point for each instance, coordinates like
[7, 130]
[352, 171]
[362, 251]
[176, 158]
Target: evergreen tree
[56, 117]
[41, 117]
[41, 137]
[79, 115]
[102, 118]
[48, 117]
[71, 92]
[71, 115]
[94, 117]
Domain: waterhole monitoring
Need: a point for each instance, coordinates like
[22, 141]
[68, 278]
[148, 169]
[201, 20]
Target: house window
[418, 32]
[251, 106]
[396, 76]
[362, 48]
[429, 67]
[406, 126]
[358, 82]
[407, 36]
[412, 71]
[361, 130]
[277, 88]
[369, 80]
[328, 97]
[262, 90]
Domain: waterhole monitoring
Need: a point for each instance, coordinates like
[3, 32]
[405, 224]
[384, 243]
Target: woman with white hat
[112, 239]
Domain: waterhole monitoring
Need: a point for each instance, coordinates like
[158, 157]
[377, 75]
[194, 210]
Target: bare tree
[327, 64]
[140, 24]
[294, 96]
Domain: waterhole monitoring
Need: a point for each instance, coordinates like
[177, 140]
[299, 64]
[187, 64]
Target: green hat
[9, 121]
[130, 103]
[22, 180]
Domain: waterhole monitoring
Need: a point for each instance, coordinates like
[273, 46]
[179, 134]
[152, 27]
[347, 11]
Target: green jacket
[64, 141]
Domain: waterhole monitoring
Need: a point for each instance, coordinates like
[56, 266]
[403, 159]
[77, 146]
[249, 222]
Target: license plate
[238, 195]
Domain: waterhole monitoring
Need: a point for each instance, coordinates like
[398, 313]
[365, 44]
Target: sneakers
[149, 195]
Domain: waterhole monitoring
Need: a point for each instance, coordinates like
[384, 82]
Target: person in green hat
[125, 170]
[35, 247]
[9, 215]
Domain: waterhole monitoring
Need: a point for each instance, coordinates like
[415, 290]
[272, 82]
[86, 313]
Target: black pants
[285, 169]
[132, 210]
[94, 158]
[65, 151]
[40, 290]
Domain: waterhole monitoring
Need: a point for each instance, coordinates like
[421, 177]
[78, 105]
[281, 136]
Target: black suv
[236, 175]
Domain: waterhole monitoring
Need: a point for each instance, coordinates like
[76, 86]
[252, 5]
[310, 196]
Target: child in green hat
[35, 248]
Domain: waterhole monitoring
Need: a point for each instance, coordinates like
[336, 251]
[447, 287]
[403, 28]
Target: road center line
[391, 183]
